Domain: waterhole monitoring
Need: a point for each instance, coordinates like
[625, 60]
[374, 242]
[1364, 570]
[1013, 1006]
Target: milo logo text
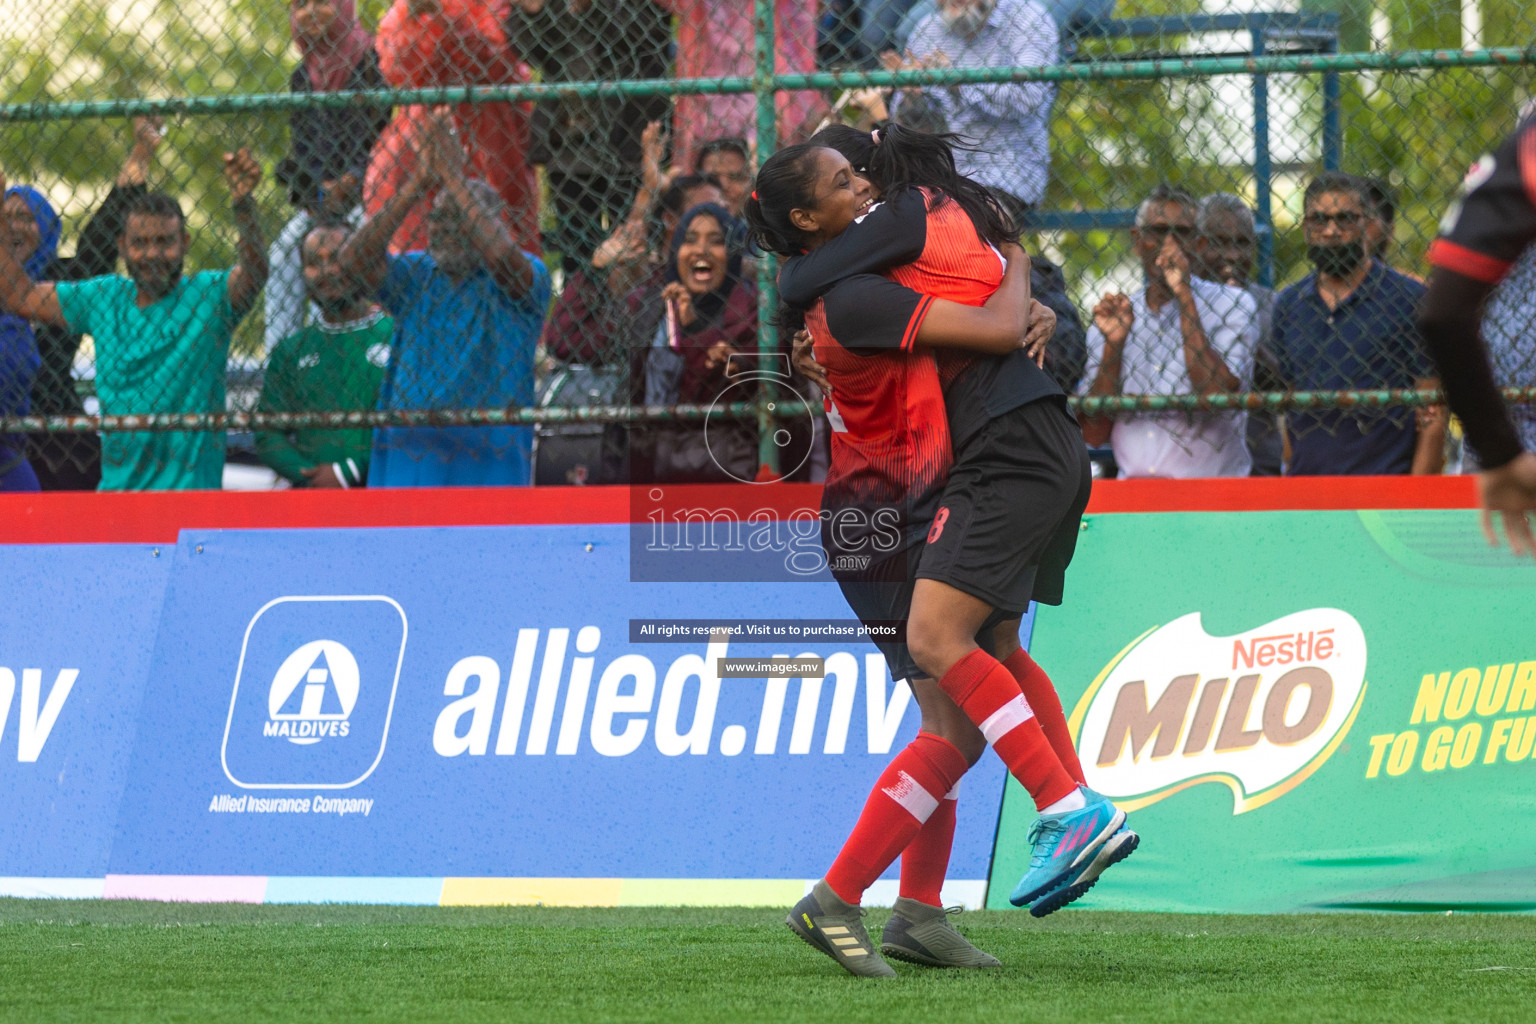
[1258, 712]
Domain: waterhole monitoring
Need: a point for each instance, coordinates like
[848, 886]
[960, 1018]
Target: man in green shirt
[162, 340]
[335, 365]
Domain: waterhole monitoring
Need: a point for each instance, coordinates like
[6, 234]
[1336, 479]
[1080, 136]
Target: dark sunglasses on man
[1183, 232]
[1343, 221]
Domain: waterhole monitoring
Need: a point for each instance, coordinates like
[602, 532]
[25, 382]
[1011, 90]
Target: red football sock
[925, 861]
[1041, 695]
[990, 697]
[908, 793]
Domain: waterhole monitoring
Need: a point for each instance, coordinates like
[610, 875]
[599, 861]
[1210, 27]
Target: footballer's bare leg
[941, 635]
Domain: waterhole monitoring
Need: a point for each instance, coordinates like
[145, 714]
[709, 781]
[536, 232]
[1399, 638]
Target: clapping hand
[719, 355]
[1174, 264]
[341, 194]
[893, 61]
[438, 152]
[625, 245]
[442, 145]
[681, 301]
[1113, 317]
[653, 143]
[321, 476]
[243, 174]
[148, 132]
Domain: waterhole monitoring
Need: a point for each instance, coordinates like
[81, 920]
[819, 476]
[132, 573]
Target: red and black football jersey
[932, 247]
[1494, 219]
[1487, 228]
[890, 435]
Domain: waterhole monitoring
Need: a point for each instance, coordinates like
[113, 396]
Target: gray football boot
[836, 928]
[920, 934]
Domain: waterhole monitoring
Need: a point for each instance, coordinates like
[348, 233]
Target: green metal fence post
[767, 288]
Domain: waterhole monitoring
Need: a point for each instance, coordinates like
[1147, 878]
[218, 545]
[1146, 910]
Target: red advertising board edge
[156, 517]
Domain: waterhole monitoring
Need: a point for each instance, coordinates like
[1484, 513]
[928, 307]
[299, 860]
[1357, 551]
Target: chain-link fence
[488, 242]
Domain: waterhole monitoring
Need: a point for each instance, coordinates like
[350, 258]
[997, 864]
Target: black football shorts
[1008, 519]
[1005, 530]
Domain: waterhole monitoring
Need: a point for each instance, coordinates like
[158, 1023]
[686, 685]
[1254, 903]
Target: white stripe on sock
[954, 792]
[1006, 719]
[914, 799]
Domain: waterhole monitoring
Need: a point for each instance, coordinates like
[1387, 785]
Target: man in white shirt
[1180, 335]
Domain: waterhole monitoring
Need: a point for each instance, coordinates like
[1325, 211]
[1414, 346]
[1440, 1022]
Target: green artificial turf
[127, 961]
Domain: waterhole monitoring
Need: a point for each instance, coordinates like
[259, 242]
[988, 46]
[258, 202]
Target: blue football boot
[1119, 846]
[1065, 846]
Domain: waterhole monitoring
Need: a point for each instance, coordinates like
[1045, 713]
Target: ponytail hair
[907, 158]
[785, 182]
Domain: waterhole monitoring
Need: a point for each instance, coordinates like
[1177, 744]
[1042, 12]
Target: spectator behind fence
[336, 365]
[704, 313]
[1225, 249]
[594, 336]
[591, 320]
[72, 462]
[1350, 325]
[729, 163]
[467, 317]
[1007, 122]
[19, 360]
[1181, 335]
[329, 147]
[590, 146]
[162, 340]
[1071, 17]
[716, 38]
[426, 43]
[639, 245]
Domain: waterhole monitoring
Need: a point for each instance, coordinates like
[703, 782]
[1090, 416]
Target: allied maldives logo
[318, 687]
[314, 692]
[1258, 712]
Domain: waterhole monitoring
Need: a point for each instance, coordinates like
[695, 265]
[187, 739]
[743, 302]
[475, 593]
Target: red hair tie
[754, 194]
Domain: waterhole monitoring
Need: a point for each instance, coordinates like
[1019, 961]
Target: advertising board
[1300, 710]
[460, 715]
[74, 657]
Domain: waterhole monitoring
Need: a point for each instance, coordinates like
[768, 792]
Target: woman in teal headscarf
[32, 231]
